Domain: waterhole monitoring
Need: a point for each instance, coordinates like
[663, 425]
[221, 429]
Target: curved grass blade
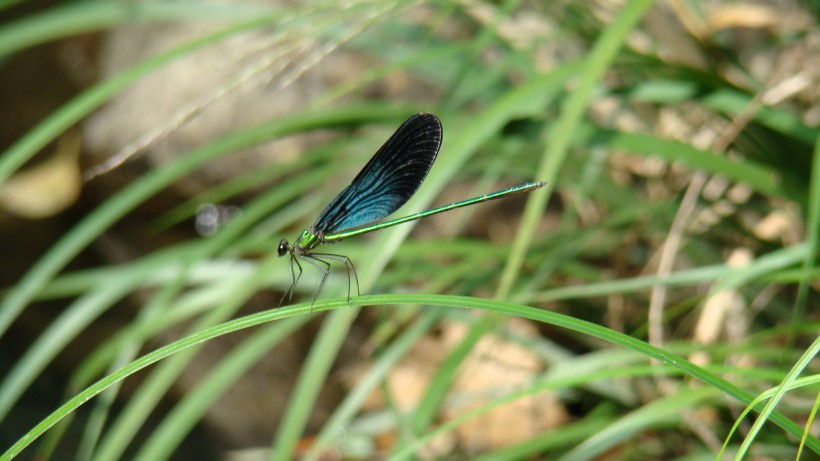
[539, 315]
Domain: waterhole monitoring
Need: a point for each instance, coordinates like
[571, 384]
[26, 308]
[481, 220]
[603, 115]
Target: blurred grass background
[658, 299]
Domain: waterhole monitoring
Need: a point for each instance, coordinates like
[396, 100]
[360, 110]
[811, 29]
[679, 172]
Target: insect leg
[324, 267]
[289, 294]
[348, 265]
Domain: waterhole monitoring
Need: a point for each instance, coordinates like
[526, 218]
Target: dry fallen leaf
[495, 367]
[744, 15]
[498, 367]
[721, 310]
[47, 188]
[774, 226]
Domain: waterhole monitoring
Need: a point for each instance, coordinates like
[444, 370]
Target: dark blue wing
[388, 180]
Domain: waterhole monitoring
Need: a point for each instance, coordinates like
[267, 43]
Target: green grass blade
[597, 61]
[344, 414]
[758, 177]
[767, 395]
[91, 99]
[809, 265]
[84, 17]
[661, 412]
[71, 323]
[122, 432]
[538, 315]
[193, 406]
[121, 203]
[322, 355]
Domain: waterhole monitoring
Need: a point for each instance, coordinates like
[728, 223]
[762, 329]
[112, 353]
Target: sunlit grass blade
[670, 360]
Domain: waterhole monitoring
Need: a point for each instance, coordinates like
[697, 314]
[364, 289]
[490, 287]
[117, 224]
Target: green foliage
[587, 273]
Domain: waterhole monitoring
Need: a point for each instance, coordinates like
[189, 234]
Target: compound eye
[283, 247]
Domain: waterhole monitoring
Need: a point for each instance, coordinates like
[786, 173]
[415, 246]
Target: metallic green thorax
[307, 241]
